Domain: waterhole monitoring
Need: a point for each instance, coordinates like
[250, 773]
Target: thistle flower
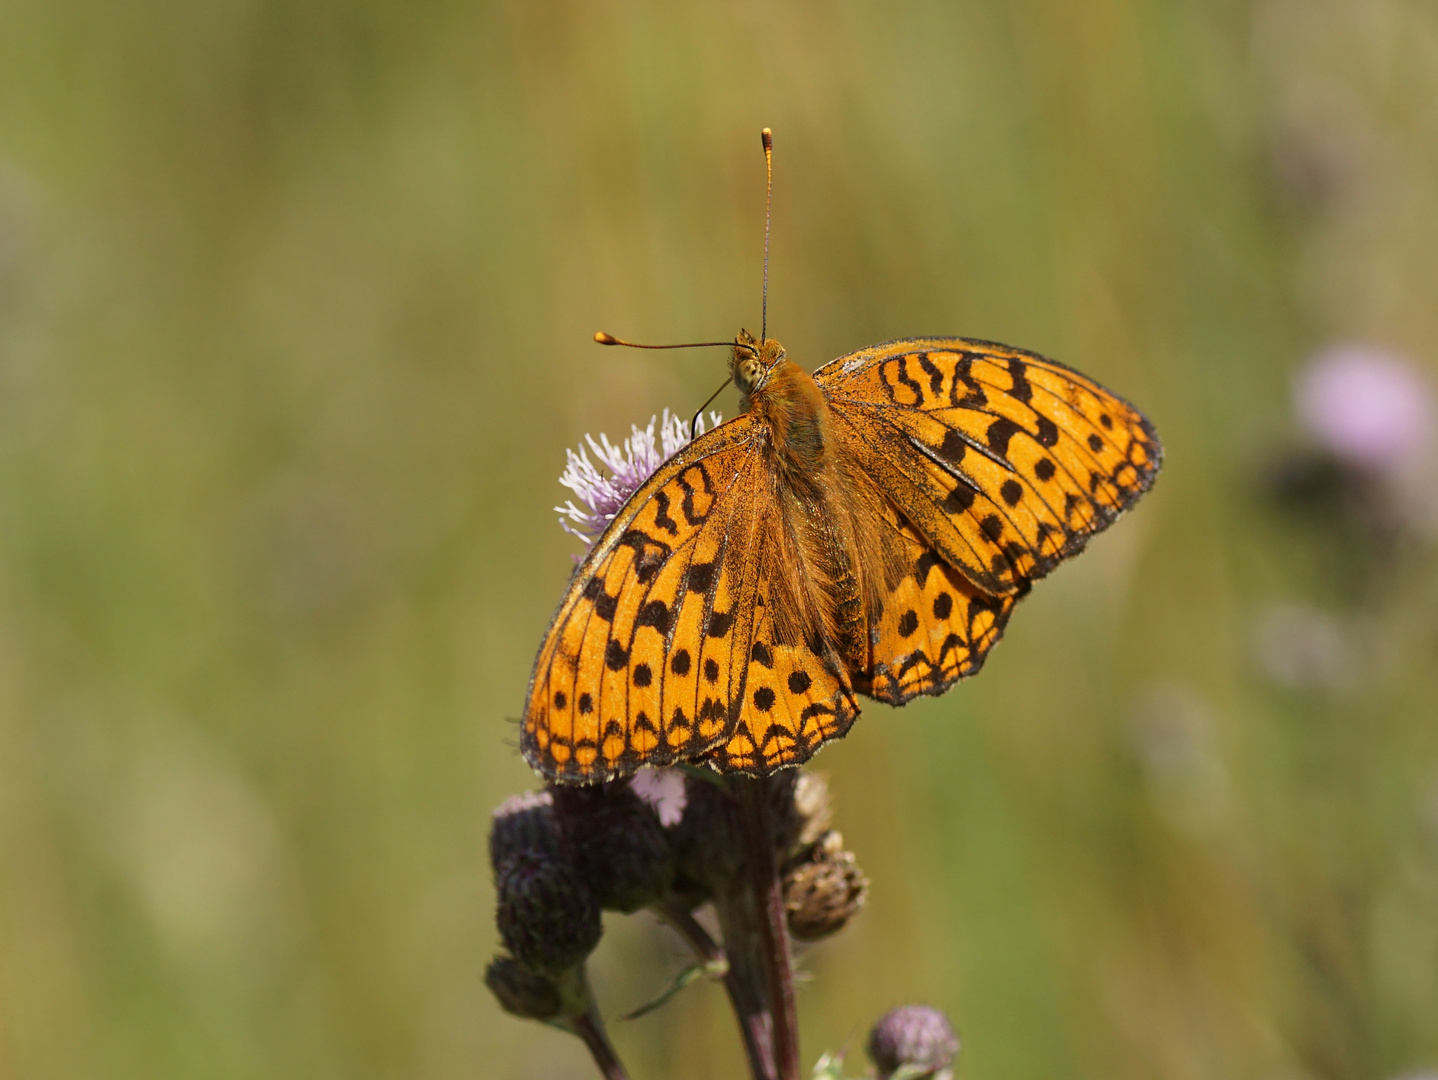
[913, 1041]
[1370, 409]
[523, 823]
[629, 464]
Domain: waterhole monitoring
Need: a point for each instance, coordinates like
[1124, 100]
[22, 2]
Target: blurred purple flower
[629, 464]
[1369, 408]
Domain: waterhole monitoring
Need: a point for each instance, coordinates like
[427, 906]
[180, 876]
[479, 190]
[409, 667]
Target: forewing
[637, 666]
[1004, 461]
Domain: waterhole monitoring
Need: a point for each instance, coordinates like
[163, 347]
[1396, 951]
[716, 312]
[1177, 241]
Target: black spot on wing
[719, 623]
[1021, 390]
[691, 514]
[959, 499]
[974, 396]
[925, 562]
[936, 377]
[953, 448]
[1000, 432]
[655, 613]
[699, 577]
[661, 513]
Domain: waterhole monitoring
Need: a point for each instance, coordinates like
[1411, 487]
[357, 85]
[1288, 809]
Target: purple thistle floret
[629, 464]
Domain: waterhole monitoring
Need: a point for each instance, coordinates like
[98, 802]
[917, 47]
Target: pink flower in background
[1369, 408]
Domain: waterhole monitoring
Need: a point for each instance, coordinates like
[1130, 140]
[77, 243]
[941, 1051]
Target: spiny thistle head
[629, 464]
[522, 992]
[913, 1041]
[547, 915]
[614, 839]
[523, 823]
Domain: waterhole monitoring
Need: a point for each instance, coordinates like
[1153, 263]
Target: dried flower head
[913, 1041]
[629, 464]
[823, 891]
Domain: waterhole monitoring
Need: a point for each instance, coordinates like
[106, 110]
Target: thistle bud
[522, 992]
[915, 1038]
[823, 890]
[547, 915]
[615, 841]
[708, 842]
[523, 823]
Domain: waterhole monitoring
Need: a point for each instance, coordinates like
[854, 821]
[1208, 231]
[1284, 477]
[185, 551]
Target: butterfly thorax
[814, 536]
[786, 400]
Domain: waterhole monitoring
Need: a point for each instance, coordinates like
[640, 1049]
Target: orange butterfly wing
[935, 628]
[1004, 461]
[797, 697]
[663, 647]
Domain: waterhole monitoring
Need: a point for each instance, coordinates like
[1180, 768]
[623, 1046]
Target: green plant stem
[589, 1029]
[581, 1016]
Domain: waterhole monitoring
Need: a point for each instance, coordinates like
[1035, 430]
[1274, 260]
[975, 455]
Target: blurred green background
[296, 300]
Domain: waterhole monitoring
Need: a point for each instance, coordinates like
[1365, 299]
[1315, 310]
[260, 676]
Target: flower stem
[745, 981]
[588, 1028]
[583, 1019]
[682, 921]
[767, 891]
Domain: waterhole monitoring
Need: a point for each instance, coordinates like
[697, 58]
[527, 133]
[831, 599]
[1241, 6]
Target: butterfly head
[752, 360]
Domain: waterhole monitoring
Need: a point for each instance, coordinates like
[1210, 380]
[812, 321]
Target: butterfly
[863, 530]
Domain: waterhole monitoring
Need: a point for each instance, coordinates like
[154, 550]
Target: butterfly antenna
[768, 137]
[609, 339]
[694, 420]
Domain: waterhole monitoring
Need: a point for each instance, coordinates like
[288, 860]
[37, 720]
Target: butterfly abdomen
[811, 493]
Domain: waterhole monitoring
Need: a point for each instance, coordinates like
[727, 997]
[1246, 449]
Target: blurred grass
[295, 307]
